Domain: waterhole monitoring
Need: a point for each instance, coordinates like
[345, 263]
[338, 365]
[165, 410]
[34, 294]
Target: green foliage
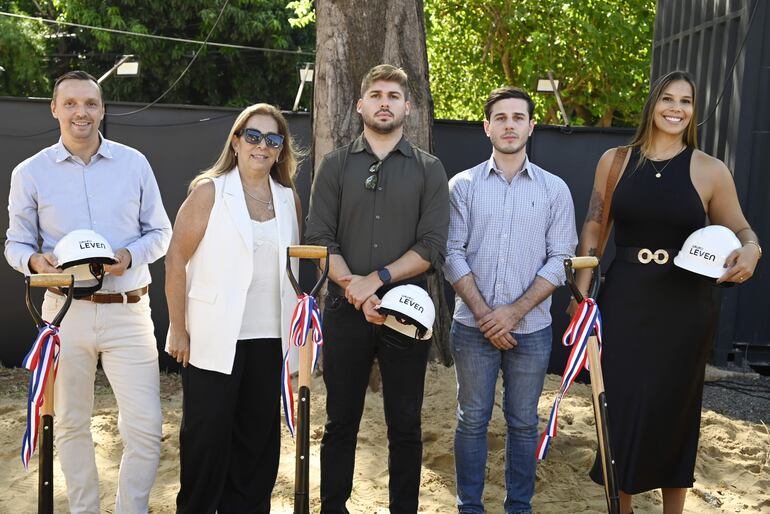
[600, 50]
[220, 76]
[304, 12]
[22, 53]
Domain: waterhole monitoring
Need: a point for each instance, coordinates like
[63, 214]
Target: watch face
[384, 275]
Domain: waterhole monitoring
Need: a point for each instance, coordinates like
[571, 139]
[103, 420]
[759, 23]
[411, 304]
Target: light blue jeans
[477, 365]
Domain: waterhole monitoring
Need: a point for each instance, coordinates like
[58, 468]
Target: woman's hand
[178, 346]
[740, 264]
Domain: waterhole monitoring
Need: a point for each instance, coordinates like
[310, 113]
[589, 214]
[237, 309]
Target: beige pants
[123, 336]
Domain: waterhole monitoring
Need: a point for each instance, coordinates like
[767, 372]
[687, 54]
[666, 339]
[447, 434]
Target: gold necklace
[659, 172]
[268, 203]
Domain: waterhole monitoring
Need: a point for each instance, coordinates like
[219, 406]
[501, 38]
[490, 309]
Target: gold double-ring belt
[645, 256]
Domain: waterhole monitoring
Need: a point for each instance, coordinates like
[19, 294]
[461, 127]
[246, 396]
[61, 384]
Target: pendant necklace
[659, 172]
[268, 203]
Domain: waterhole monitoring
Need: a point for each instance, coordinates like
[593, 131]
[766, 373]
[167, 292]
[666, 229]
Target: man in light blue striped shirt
[88, 182]
[511, 226]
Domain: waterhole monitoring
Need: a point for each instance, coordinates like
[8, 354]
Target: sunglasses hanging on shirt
[254, 137]
[371, 181]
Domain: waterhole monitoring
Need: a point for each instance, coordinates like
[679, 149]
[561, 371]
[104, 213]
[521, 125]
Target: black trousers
[350, 346]
[229, 442]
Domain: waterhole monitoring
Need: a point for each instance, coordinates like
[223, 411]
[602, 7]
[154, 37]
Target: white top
[262, 316]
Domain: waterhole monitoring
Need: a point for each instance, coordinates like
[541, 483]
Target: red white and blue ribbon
[43, 361]
[587, 319]
[306, 318]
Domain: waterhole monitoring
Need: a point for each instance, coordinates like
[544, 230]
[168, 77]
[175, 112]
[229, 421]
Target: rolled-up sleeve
[323, 213]
[153, 222]
[456, 266]
[22, 235]
[561, 236]
[434, 216]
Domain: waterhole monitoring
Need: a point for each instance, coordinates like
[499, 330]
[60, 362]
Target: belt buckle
[645, 256]
[660, 256]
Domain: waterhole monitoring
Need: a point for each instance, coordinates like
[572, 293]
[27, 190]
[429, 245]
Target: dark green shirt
[408, 210]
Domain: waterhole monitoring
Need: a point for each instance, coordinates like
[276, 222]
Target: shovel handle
[50, 280]
[584, 262]
[307, 252]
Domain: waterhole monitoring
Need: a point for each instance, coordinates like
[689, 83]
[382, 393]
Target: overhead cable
[154, 36]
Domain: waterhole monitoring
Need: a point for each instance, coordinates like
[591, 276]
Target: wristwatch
[384, 275]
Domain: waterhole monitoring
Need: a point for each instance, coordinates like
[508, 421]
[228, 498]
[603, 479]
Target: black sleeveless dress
[659, 323]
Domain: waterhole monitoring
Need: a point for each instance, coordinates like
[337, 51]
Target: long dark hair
[643, 137]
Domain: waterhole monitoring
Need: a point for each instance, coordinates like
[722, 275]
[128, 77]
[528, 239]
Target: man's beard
[385, 127]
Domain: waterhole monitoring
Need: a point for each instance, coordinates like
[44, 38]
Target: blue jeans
[477, 365]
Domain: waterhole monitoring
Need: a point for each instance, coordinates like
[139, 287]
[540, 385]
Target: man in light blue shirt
[511, 226]
[88, 182]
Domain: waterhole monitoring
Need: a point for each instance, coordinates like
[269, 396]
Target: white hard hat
[83, 253]
[409, 310]
[706, 250]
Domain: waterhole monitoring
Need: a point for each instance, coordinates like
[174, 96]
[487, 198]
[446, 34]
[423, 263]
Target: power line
[153, 36]
[184, 72]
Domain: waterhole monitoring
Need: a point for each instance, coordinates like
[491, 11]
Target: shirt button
[505, 235]
[375, 245]
[377, 217]
[379, 189]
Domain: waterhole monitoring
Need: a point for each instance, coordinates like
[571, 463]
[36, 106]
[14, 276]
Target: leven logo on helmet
[83, 253]
[409, 311]
[706, 250]
[408, 300]
[85, 245]
[703, 254]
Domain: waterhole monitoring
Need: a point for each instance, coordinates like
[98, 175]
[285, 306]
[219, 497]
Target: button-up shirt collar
[526, 169]
[361, 144]
[62, 154]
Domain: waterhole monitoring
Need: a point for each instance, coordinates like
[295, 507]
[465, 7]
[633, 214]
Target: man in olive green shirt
[381, 205]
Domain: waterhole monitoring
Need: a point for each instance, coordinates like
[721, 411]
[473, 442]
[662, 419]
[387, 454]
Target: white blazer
[220, 271]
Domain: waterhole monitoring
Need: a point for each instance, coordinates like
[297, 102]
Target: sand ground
[732, 473]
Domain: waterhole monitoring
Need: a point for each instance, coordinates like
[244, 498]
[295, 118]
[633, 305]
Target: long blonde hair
[285, 167]
[643, 137]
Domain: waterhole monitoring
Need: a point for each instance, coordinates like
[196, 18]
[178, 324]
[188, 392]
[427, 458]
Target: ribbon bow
[586, 319]
[43, 356]
[306, 318]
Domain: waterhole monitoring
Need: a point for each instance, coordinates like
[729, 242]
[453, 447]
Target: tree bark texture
[352, 37]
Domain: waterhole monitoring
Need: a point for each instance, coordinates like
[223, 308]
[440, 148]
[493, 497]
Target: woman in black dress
[659, 319]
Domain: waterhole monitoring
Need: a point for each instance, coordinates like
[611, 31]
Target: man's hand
[43, 263]
[124, 261]
[503, 342]
[178, 346]
[370, 310]
[361, 288]
[502, 320]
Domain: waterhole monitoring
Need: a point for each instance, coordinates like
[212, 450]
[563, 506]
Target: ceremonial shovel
[302, 459]
[45, 459]
[597, 382]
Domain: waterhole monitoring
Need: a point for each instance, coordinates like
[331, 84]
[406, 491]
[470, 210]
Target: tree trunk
[352, 37]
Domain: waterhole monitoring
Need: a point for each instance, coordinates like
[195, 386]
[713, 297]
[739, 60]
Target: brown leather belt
[127, 297]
